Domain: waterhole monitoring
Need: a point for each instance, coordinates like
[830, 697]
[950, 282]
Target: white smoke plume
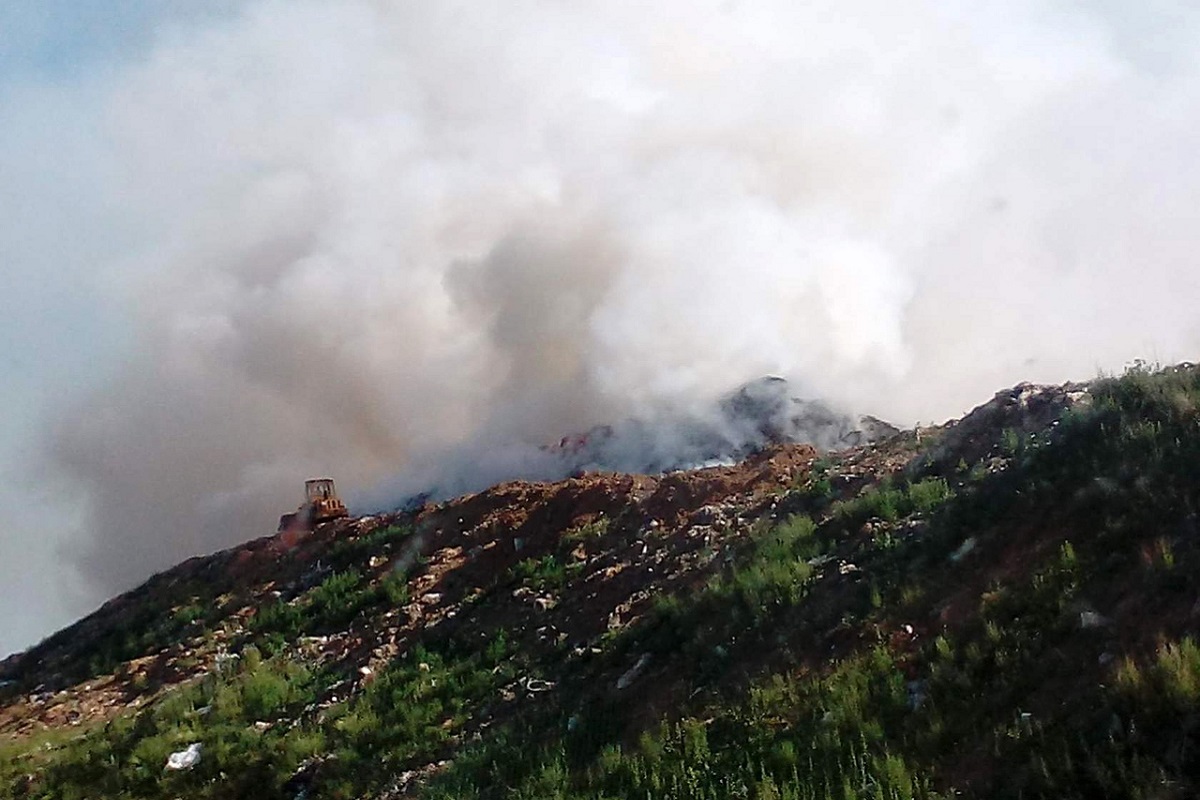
[361, 237]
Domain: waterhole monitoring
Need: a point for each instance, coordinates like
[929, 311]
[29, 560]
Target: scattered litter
[634, 672]
[1092, 619]
[536, 685]
[184, 759]
[964, 549]
[225, 663]
[845, 568]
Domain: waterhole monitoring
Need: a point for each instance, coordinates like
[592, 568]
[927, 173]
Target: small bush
[540, 574]
[925, 496]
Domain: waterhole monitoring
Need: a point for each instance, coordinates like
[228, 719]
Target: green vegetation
[125, 758]
[330, 606]
[890, 504]
[239, 714]
[542, 574]
[147, 631]
[790, 737]
[586, 532]
[351, 553]
[771, 578]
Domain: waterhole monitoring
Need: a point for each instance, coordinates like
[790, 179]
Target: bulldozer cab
[319, 489]
[323, 501]
[321, 504]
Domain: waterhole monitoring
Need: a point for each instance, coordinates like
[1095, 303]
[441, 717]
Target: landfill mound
[1000, 606]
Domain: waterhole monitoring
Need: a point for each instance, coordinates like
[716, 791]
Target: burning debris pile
[760, 413]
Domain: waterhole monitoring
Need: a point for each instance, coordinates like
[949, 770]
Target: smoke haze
[359, 237]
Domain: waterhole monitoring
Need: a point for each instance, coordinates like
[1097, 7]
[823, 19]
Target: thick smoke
[760, 413]
[366, 239]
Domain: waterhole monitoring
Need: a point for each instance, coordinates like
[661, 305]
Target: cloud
[355, 237]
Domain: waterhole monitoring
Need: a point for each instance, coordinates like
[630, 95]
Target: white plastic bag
[185, 759]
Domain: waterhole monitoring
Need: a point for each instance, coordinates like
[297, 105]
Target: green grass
[540, 574]
[790, 736]
[332, 605]
[891, 504]
[410, 711]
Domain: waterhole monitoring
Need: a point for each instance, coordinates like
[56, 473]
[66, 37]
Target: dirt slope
[998, 574]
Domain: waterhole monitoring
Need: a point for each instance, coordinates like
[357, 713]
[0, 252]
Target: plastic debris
[634, 672]
[185, 759]
[964, 549]
[1092, 619]
[225, 661]
[536, 685]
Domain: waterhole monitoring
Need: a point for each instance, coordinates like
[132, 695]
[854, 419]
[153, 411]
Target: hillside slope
[1000, 607]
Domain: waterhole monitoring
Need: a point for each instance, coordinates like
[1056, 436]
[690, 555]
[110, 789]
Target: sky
[252, 241]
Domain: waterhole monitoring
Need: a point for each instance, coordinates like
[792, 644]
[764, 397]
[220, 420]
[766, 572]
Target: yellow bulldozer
[321, 504]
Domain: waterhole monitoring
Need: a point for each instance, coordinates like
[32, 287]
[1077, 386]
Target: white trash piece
[964, 549]
[1092, 619]
[633, 673]
[185, 759]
